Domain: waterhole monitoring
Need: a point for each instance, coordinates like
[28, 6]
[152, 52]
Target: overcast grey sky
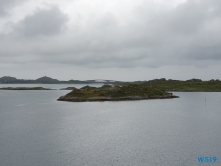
[117, 39]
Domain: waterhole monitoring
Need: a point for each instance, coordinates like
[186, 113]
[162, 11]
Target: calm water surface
[35, 130]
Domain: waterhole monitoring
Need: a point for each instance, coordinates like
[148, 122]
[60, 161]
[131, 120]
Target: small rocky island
[25, 88]
[68, 88]
[115, 93]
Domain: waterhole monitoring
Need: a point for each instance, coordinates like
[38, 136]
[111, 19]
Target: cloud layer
[146, 34]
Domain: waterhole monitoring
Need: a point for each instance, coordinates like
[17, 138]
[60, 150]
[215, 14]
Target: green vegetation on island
[25, 88]
[115, 93]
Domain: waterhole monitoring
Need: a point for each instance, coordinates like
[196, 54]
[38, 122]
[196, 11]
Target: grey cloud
[191, 17]
[186, 35]
[107, 21]
[5, 5]
[42, 22]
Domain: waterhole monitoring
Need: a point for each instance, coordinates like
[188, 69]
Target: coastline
[128, 98]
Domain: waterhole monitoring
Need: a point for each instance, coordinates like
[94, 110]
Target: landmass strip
[25, 88]
[192, 85]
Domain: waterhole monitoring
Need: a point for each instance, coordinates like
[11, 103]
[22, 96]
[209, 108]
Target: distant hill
[7, 79]
[46, 80]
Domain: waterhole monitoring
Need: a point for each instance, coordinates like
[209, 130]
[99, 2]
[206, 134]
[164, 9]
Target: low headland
[115, 93]
[25, 88]
[192, 85]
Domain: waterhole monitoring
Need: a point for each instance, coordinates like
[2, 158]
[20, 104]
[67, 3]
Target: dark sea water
[38, 130]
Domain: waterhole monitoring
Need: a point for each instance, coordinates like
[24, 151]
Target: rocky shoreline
[128, 98]
[194, 91]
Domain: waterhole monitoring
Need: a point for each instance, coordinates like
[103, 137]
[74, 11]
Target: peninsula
[192, 85]
[115, 93]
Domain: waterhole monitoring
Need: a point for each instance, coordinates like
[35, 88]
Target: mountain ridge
[49, 80]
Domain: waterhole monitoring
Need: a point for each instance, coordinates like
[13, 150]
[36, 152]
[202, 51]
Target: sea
[38, 130]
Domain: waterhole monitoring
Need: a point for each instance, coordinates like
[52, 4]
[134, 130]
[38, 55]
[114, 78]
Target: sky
[125, 40]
